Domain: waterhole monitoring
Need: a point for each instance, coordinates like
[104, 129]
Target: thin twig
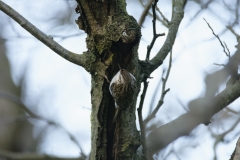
[155, 35]
[227, 49]
[32, 115]
[219, 64]
[164, 18]
[71, 136]
[10, 97]
[155, 94]
[17, 100]
[232, 111]
[164, 92]
[220, 138]
[157, 60]
[13, 119]
[157, 17]
[232, 30]
[145, 12]
[142, 126]
[18, 118]
[227, 54]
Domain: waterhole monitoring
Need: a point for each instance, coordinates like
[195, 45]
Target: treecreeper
[122, 88]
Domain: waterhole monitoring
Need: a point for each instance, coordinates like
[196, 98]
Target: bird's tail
[116, 114]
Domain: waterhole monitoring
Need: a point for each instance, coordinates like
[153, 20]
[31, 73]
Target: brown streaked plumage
[122, 89]
[129, 35]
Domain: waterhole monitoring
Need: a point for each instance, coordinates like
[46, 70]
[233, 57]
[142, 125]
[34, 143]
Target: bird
[122, 88]
[129, 35]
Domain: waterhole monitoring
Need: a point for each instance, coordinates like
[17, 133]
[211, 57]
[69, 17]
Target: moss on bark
[105, 22]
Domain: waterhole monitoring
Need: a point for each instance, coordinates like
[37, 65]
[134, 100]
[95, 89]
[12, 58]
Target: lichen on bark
[104, 23]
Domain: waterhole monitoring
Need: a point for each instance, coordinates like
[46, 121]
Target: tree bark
[112, 38]
[236, 152]
[104, 23]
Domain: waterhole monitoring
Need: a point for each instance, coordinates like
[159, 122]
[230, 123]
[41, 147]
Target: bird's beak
[119, 67]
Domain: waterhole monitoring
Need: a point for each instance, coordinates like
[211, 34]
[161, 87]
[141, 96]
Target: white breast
[116, 79]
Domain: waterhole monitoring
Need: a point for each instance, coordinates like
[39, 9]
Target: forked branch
[155, 35]
[185, 123]
[32, 115]
[142, 125]
[164, 92]
[223, 44]
[178, 12]
[145, 12]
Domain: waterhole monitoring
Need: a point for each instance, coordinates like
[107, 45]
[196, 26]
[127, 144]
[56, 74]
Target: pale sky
[60, 91]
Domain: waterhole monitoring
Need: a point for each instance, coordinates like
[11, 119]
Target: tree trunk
[113, 38]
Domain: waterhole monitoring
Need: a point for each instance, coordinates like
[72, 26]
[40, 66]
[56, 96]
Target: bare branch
[220, 138]
[23, 117]
[17, 100]
[157, 17]
[203, 7]
[145, 12]
[164, 18]
[227, 54]
[204, 110]
[62, 37]
[31, 156]
[13, 119]
[10, 97]
[142, 126]
[227, 49]
[47, 40]
[154, 96]
[34, 116]
[231, 29]
[164, 92]
[173, 29]
[71, 136]
[201, 109]
[236, 153]
[219, 64]
[155, 35]
[232, 111]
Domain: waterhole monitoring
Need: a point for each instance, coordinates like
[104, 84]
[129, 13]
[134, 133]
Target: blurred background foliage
[15, 131]
[34, 80]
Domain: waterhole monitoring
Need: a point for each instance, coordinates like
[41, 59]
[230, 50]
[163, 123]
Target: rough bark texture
[236, 153]
[113, 38]
[104, 23]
